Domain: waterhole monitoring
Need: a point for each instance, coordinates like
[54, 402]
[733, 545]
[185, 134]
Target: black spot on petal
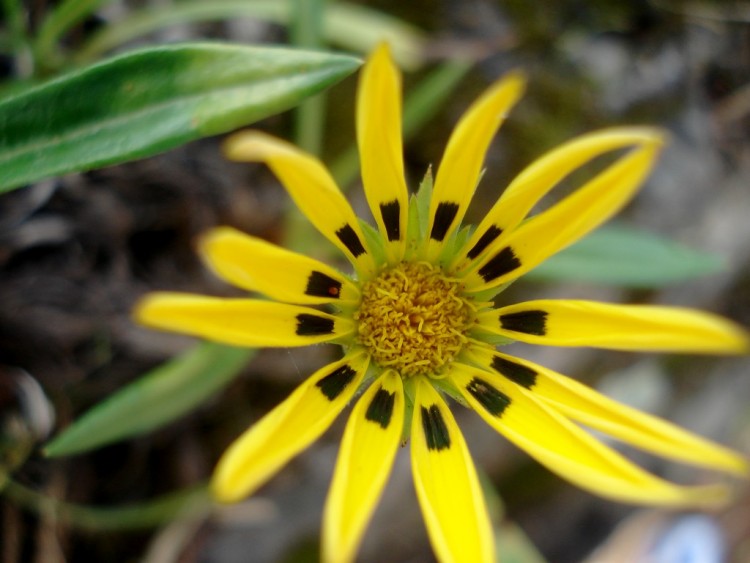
[313, 325]
[500, 264]
[390, 213]
[333, 384]
[517, 373]
[444, 216]
[380, 409]
[435, 430]
[322, 285]
[527, 322]
[493, 400]
[348, 236]
[484, 241]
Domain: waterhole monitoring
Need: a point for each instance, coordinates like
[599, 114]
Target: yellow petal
[242, 322]
[525, 191]
[381, 149]
[565, 222]
[256, 265]
[582, 404]
[288, 429]
[566, 449]
[311, 187]
[461, 165]
[617, 327]
[367, 451]
[446, 483]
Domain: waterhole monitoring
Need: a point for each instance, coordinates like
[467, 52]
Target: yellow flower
[417, 323]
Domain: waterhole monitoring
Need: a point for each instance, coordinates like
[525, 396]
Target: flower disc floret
[414, 319]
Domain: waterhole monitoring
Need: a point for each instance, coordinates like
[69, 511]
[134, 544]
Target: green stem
[307, 32]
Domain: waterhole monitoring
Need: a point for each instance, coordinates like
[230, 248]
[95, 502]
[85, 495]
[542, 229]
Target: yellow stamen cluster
[413, 319]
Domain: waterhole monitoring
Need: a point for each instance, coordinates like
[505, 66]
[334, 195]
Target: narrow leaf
[147, 514]
[151, 100]
[159, 397]
[60, 19]
[625, 256]
[350, 26]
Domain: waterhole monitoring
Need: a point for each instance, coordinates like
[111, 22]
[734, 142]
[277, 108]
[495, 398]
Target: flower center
[413, 319]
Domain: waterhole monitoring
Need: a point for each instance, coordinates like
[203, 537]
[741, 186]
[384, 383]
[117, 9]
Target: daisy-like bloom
[417, 323]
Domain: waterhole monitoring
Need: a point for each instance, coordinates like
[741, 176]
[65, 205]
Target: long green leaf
[148, 101]
[147, 514]
[353, 27]
[60, 19]
[159, 397]
[621, 255]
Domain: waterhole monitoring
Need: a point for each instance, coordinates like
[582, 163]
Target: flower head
[417, 324]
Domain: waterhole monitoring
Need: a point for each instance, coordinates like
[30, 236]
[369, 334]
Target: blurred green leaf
[159, 397]
[622, 255]
[60, 19]
[148, 514]
[15, 33]
[356, 28]
[361, 29]
[148, 101]
[514, 546]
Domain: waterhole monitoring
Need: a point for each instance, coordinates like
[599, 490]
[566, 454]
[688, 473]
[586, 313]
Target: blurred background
[77, 251]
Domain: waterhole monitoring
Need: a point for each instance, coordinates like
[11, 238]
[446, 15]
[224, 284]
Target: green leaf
[148, 514]
[15, 23]
[60, 19]
[148, 101]
[360, 28]
[622, 255]
[355, 28]
[159, 397]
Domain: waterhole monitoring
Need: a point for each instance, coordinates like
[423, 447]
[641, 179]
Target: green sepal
[419, 215]
[455, 243]
[413, 235]
[424, 197]
[410, 395]
[374, 241]
[490, 338]
[446, 385]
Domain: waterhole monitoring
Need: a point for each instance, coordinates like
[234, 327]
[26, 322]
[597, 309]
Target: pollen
[414, 319]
